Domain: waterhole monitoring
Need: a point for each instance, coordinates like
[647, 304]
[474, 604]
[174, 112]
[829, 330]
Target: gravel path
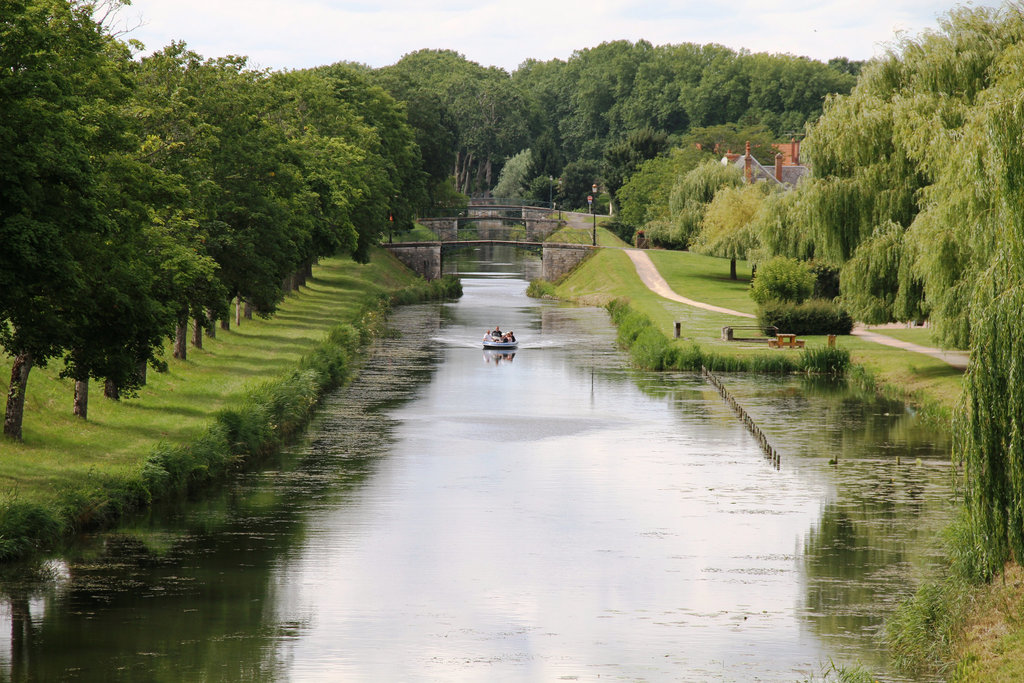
[656, 283]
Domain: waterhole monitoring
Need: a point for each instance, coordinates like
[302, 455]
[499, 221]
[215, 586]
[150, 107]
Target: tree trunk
[732, 269]
[140, 372]
[225, 324]
[480, 168]
[463, 177]
[16, 395]
[81, 405]
[309, 270]
[248, 311]
[238, 311]
[111, 390]
[180, 341]
[487, 187]
[197, 333]
[211, 326]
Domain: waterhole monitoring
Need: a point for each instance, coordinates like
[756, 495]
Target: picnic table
[786, 341]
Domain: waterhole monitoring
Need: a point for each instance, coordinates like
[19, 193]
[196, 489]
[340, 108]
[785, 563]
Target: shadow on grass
[936, 371]
[173, 410]
[310, 320]
[240, 364]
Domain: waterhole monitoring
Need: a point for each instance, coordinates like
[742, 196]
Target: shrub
[623, 231]
[826, 281]
[783, 279]
[813, 317]
[25, 527]
[825, 360]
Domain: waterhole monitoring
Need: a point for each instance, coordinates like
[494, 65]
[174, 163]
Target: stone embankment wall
[424, 259]
[559, 259]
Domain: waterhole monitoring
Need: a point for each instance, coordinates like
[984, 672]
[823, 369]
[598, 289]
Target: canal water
[551, 514]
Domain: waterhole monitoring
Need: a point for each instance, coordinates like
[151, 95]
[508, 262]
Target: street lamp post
[590, 203]
[593, 211]
[551, 187]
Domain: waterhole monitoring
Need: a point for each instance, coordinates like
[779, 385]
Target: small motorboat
[496, 339]
[490, 343]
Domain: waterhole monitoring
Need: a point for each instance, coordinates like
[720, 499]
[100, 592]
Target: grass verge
[238, 398]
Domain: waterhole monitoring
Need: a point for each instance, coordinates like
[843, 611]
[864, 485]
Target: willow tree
[690, 197]
[989, 244]
[775, 227]
[727, 230]
[877, 155]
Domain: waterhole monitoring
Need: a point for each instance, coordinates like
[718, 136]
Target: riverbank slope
[920, 378]
[79, 472]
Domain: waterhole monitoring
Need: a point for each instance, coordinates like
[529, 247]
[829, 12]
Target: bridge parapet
[491, 226]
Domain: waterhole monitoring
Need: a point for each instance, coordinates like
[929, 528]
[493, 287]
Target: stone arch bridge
[494, 221]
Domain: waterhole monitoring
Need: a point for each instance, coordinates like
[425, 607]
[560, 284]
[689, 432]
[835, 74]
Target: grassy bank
[238, 397]
[921, 379]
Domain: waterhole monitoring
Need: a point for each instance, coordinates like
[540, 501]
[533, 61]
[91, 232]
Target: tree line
[551, 129]
[137, 195]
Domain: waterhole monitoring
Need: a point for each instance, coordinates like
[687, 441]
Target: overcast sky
[294, 34]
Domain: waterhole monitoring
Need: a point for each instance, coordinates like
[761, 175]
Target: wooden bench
[727, 333]
[786, 341]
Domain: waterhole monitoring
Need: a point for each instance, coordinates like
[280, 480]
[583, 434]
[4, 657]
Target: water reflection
[457, 514]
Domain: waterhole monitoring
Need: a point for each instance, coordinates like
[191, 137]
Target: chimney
[778, 166]
[794, 151]
[748, 172]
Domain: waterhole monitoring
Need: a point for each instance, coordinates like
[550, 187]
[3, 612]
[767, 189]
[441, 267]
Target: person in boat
[496, 334]
[509, 337]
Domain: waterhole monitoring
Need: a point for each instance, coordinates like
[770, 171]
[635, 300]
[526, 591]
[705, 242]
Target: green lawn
[177, 405]
[705, 278]
[574, 235]
[610, 274]
[915, 335]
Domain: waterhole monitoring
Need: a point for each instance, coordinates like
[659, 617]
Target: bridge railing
[510, 201]
[497, 203]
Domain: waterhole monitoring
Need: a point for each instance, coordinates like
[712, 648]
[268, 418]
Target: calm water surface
[547, 515]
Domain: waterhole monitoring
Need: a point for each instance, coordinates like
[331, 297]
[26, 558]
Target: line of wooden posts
[769, 451]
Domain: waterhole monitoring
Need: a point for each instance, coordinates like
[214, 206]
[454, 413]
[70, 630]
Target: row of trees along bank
[137, 195]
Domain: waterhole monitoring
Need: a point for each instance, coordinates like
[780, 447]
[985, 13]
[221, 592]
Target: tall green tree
[622, 159]
[59, 85]
[484, 115]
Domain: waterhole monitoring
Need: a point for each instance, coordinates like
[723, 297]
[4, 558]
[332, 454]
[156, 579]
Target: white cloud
[304, 33]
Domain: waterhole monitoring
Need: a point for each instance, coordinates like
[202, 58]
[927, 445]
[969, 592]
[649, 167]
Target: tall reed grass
[651, 349]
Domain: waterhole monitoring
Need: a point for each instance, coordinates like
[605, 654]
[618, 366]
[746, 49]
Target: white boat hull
[500, 345]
